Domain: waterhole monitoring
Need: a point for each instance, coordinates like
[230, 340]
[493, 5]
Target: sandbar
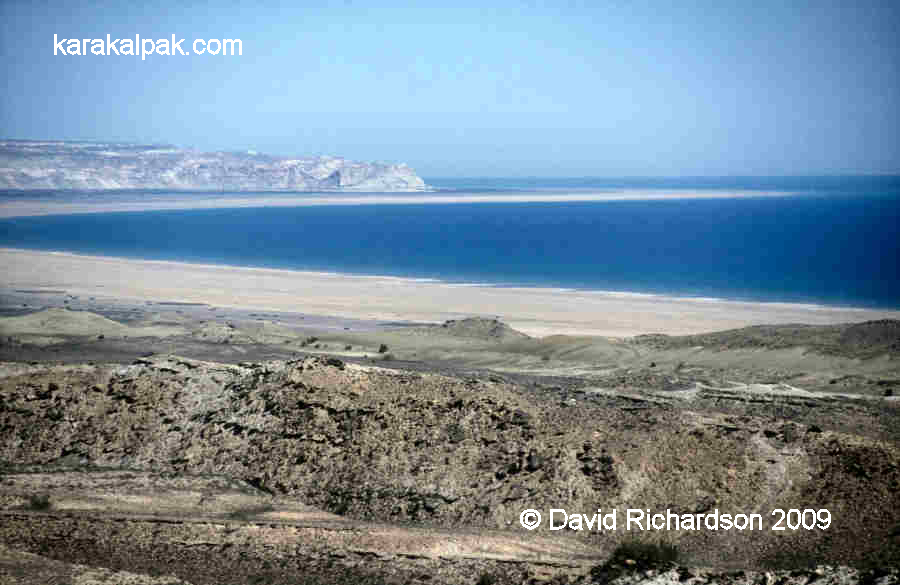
[99, 202]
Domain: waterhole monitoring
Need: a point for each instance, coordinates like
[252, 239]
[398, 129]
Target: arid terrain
[181, 443]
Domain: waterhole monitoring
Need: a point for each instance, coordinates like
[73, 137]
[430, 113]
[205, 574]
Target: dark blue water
[838, 248]
[826, 185]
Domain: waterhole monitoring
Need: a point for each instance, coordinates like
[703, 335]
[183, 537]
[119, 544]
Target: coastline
[534, 310]
[25, 207]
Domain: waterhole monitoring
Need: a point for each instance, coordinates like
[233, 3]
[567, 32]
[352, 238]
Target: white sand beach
[536, 311]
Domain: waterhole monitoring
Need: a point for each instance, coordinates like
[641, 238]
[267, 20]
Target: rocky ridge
[466, 453]
[856, 340]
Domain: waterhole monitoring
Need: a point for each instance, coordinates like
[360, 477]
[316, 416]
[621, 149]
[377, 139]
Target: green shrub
[635, 555]
[486, 578]
[647, 555]
[39, 502]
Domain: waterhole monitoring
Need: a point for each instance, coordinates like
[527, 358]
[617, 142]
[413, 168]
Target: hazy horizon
[494, 177]
[518, 89]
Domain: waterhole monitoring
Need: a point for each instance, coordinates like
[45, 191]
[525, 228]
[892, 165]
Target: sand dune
[53, 322]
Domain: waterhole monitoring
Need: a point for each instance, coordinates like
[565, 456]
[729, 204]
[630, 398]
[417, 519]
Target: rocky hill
[378, 445]
[29, 165]
[174, 444]
[855, 340]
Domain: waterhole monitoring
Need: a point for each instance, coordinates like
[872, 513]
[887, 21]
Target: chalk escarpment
[31, 165]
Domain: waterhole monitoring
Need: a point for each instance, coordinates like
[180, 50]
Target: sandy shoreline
[25, 207]
[536, 311]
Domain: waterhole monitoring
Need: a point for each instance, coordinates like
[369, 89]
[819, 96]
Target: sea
[821, 240]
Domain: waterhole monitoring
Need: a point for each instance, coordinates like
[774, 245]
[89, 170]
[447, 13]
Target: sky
[464, 89]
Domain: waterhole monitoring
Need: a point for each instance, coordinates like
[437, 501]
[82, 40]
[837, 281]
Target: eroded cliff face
[71, 165]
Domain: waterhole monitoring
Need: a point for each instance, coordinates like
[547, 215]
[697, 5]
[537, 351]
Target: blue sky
[461, 89]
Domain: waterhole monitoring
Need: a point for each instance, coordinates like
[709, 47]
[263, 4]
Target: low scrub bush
[39, 502]
[636, 555]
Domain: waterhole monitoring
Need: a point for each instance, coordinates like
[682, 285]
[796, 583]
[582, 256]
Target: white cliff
[27, 164]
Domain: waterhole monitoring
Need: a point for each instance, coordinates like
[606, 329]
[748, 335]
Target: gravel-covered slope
[385, 445]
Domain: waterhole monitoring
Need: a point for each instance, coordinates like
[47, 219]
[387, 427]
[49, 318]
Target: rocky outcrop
[384, 445]
[480, 328]
[75, 165]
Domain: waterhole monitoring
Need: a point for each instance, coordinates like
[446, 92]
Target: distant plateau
[35, 165]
